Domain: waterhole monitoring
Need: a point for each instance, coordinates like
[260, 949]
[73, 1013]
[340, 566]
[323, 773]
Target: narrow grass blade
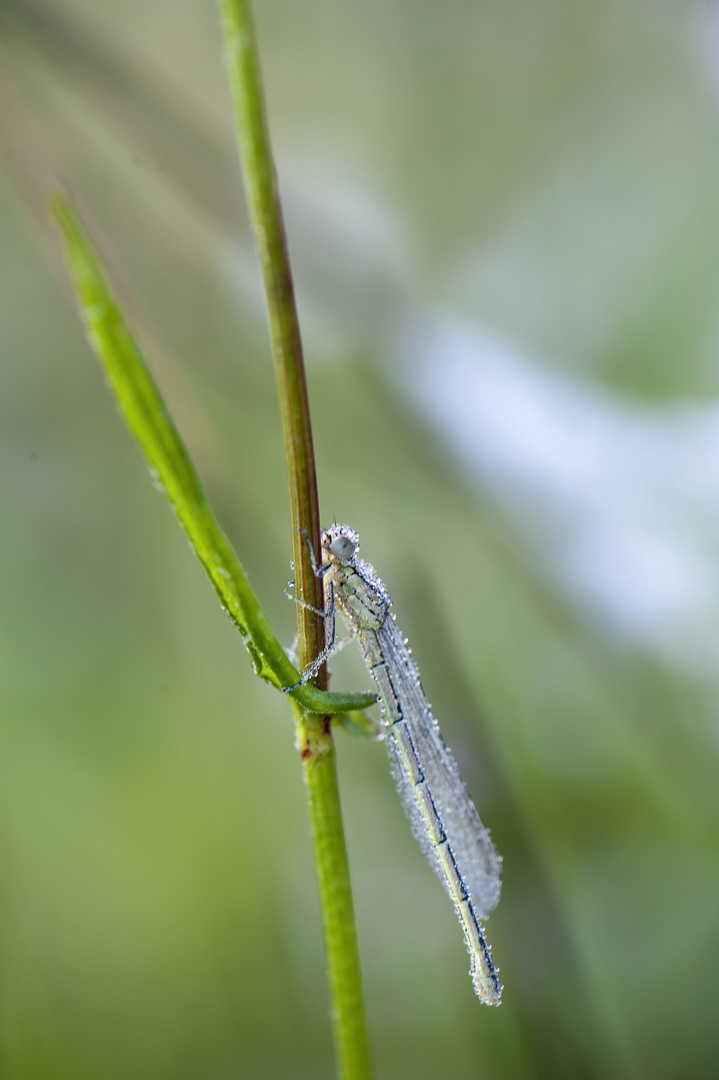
[146, 415]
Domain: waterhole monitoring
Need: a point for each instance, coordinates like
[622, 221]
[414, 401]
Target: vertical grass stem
[314, 732]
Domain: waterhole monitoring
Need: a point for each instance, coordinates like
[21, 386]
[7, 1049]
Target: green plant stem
[336, 908]
[314, 732]
[266, 216]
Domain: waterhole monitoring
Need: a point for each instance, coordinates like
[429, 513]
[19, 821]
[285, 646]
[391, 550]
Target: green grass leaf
[147, 417]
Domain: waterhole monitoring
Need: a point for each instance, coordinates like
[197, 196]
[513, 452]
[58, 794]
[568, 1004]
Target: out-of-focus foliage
[504, 221]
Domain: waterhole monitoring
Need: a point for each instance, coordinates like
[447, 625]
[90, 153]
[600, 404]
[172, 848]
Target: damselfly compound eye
[342, 547]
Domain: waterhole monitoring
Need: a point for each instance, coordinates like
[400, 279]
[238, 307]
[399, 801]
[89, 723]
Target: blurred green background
[504, 222]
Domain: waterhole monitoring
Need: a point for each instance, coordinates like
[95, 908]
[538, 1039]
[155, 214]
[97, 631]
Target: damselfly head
[340, 541]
